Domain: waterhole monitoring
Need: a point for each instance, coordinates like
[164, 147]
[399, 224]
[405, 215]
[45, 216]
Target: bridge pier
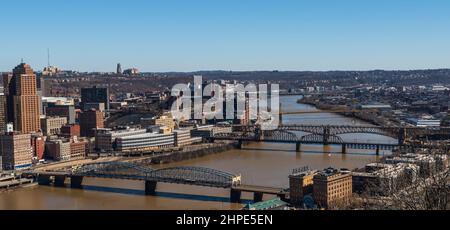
[235, 196]
[43, 180]
[344, 149]
[240, 144]
[150, 188]
[60, 180]
[76, 182]
[298, 147]
[258, 197]
[282, 197]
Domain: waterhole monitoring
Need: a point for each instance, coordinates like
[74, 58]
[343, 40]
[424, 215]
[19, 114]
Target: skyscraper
[3, 113]
[8, 89]
[24, 109]
[119, 68]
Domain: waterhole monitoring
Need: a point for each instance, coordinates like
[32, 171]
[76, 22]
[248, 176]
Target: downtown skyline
[161, 36]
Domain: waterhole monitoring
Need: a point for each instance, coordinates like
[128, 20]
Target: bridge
[328, 135]
[196, 176]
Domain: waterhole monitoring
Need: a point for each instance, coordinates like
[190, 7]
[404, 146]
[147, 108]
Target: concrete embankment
[187, 154]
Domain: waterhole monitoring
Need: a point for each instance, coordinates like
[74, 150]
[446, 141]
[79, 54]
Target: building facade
[16, 151]
[67, 111]
[38, 145]
[332, 187]
[146, 141]
[77, 149]
[52, 125]
[166, 121]
[25, 100]
[70, 130]
[89, 121]
[301, 184]
[3, 113]
[58, 150]
[95, 95]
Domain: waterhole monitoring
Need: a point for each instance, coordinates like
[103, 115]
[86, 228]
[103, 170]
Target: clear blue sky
[186, 35]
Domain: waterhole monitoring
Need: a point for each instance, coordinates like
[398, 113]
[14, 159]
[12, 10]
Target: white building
[145, 141]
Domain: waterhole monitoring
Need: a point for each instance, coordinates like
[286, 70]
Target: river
[259, 164]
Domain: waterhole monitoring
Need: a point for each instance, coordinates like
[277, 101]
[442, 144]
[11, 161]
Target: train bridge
[328, 135]
[196, 176]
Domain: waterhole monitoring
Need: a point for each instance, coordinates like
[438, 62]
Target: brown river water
[259, 164]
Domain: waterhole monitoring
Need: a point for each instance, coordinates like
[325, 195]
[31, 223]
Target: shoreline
[348, 114]
[185, 155]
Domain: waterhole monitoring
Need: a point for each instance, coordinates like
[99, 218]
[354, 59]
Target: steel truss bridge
[329, 135]
[196, 176]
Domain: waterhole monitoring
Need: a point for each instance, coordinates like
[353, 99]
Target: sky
[191, 35]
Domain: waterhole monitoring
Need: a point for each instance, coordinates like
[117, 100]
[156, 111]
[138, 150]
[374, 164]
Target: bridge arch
[179, 175]
[316, 138]
[110, 168]
[195, 175]
[280, 135]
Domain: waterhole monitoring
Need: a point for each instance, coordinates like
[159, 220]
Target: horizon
[180, 36]
[237, 71]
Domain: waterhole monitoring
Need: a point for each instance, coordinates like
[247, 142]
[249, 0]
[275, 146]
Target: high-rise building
[16, 151]
[89, 121]
[119, 68]
[8, 90]
[95, 95]
[3, 113]
[22, 99]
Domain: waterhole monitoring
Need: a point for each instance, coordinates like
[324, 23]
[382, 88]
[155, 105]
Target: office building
[58, 150]
[182, 137]
[146, 141]
[105, 139]
[52, 125]
[8, 89]
[332, 187]
[301, 184]
[67, 111]
[95, 95]
[22, 91]
[77, 148]
[119, 68]
[3, 113]
[206, 132]
[38, 145]
[89, 122]
[16, 151]
[70, 130]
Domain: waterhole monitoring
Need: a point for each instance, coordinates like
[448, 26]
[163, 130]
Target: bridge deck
[261, 189]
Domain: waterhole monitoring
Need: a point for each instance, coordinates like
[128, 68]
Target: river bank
[369, 116]
[179, 156]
